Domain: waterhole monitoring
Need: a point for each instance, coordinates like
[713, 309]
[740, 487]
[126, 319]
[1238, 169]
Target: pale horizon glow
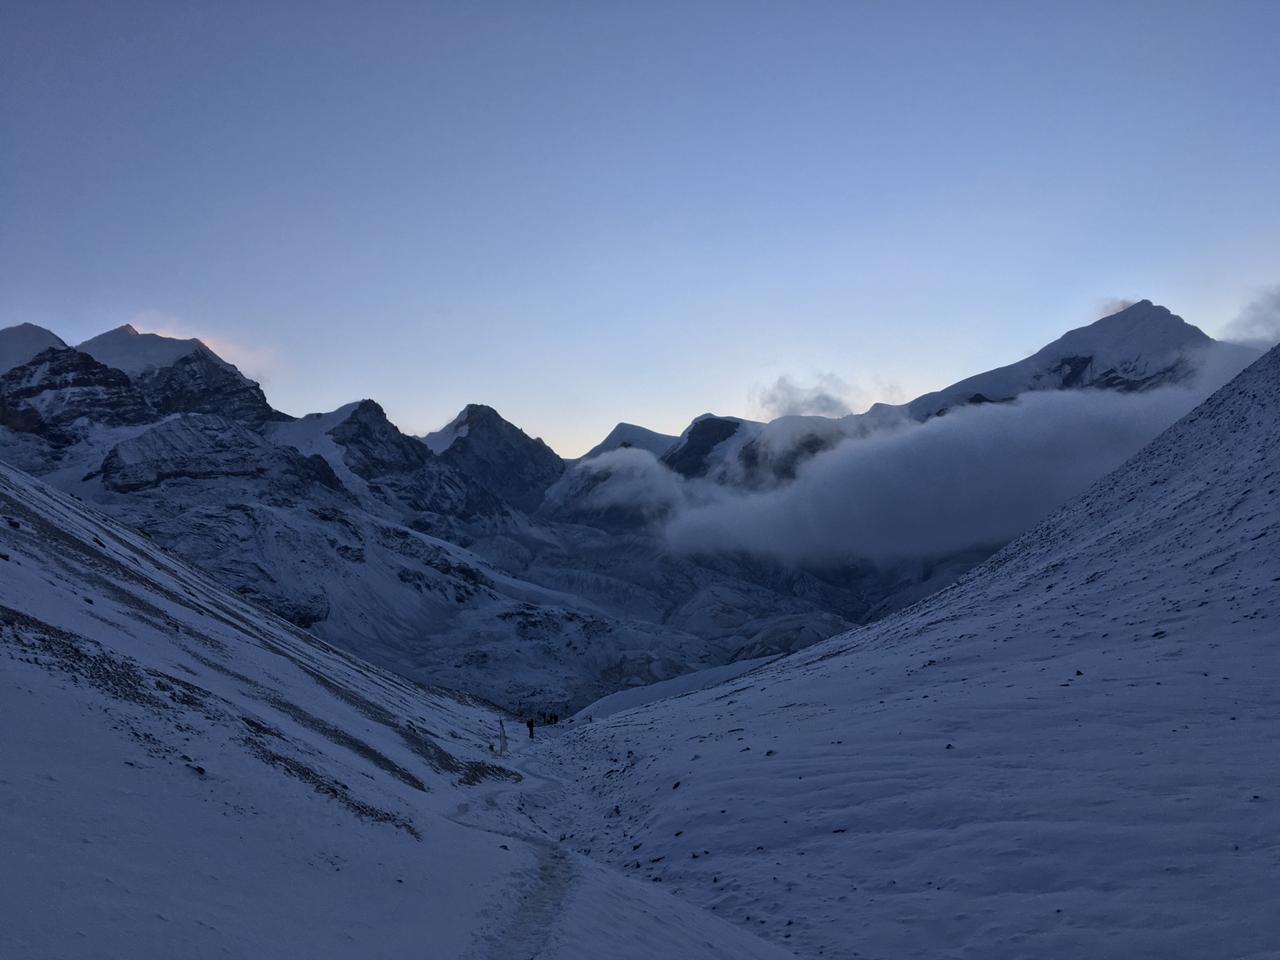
[582, 214]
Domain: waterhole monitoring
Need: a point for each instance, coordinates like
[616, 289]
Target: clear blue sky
[589, 212]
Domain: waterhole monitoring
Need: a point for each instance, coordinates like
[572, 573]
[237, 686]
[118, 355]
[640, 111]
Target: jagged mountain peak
[181, 375]
[498, 455]
[480, 412]
[363, 410]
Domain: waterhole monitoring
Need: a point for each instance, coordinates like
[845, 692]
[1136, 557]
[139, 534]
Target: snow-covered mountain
[342, 524]
[20, 343]
[1066, 753]
[181, 376]
[1138, 348]
[124, 348]
[1142, 347]
[499, 455]
[187, 775]
[473, 559]
[629, 435]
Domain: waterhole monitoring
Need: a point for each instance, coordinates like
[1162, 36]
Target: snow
[438, 441]
[1067, 753]
[20, 343]
[634, 697]
[124, 348]
[1138, 348]
[630, 435]
[185, 775]
[1138, 343]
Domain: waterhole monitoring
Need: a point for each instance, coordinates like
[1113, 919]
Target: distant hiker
[502, 738]
[529, 724]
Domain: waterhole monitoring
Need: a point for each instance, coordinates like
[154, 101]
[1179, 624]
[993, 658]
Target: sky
[585, 213]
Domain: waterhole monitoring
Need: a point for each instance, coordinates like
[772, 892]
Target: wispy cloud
[1109, 305]
[1258, 324]
[828, 396]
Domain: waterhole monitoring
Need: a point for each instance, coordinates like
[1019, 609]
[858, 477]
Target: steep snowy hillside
[20, 343]
[1067, 753]
[185, 775]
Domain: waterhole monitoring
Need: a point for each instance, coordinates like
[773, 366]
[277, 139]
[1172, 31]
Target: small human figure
[529, 724]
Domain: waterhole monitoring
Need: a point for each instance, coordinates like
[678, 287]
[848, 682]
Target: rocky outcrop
[201, 382]
[199, 448]
[61, 389]
[501, 457]
[691, 457]
[402, 470]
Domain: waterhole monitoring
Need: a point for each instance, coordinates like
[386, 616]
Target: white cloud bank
[974, 478]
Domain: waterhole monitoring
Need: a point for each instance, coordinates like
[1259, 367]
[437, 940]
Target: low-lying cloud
[974, 478]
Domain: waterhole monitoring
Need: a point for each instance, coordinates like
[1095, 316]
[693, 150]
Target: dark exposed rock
[689, 457]
[201, 447]
[201, 382]
[402, 468]
[501, 457]
[58, 387]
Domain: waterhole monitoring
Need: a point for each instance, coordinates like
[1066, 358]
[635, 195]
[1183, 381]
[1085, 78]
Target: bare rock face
[691, 456]
[403, 472]
[501, 457]
[200, 382]
[199, 447]
[60, 388]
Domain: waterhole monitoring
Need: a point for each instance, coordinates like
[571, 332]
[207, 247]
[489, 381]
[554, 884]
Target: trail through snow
[539, 898]
[566, 906]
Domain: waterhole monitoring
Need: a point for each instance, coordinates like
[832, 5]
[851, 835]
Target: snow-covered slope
[630, 435]
[1138, 348]
[1067, 753]
[20, 343]
[185, 775]
[124, 348]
